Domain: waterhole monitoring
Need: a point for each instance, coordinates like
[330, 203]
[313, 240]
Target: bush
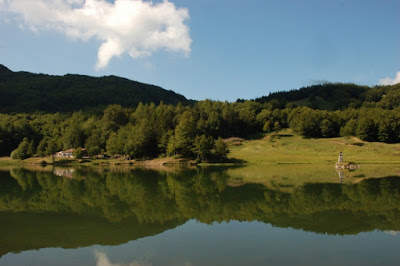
[78, 153]
[22, 152]
[221, 149]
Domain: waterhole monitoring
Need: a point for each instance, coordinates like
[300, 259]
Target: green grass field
[283, 160]
[285, 147]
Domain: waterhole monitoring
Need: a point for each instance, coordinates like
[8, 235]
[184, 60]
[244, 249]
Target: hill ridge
[30, 92]
[4, 69]
[336, 96]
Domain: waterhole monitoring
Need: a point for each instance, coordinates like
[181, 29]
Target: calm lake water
[281, 215]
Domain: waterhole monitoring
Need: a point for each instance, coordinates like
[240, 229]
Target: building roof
[67, 151]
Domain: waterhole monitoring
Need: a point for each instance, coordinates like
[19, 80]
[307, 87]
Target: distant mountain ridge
[25, 92]
[337, 96]
[4, 69]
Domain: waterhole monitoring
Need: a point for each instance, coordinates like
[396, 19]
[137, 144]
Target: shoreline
[169, 161]
[272, 149]
[164, 162]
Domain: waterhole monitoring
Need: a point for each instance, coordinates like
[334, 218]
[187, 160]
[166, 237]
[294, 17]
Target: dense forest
[337, 96]
[196, 131]
[170, 127]
[24, 92]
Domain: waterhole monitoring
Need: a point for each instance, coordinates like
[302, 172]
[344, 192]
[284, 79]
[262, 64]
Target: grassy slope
[285, 160]
[285, 147]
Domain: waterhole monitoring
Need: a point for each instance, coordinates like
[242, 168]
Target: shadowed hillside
[28, 92]
[335, 96]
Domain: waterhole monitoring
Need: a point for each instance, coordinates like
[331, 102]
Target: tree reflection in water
[115, 207]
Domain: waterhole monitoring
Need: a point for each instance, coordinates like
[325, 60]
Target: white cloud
[390, 81]
[102, 260]
[134, 27]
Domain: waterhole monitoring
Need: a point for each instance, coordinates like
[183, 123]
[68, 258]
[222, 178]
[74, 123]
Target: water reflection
[108, 207]
[341, 176]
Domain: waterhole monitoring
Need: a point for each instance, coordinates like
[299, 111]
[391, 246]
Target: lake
[277, 215]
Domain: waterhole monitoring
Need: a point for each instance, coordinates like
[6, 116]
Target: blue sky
[225, 49]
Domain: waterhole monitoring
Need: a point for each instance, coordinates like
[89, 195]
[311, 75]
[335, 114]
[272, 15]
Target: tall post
[340, 159]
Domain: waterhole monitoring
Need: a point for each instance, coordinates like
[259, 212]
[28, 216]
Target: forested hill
[336, 96]
[25, 92]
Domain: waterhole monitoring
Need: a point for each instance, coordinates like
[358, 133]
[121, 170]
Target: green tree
[203, 146]
[113, 145]
[93, 144]
[327, 128]
[78, 153]
[41, 148]
[267, 127]
[221, 149]
[171, 146]
[74, 137]
[141, 141]
[264, 120]
[94, 150]
[247, 115]
[32, 148]
[306, 122]
[51, 147]
[366, 129]
[277, 126]
[163, 141]
[185, 132]
[115, 116]
[21, 152]
[349, 129]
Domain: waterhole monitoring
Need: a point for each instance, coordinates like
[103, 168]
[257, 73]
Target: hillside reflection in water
[110, 215]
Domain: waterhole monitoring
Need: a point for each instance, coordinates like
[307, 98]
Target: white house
[65, 154]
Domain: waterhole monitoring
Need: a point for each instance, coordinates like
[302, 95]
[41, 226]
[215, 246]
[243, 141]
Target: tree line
[197, 131]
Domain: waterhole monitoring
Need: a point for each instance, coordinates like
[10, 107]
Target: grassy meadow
[283, 160]
[287, 148]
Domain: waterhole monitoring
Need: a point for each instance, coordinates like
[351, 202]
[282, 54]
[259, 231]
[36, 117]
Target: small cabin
[69, 153]
[65, 154]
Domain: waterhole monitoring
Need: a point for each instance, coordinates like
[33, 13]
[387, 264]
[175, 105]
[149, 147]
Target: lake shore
[282, 147]
[96, 162]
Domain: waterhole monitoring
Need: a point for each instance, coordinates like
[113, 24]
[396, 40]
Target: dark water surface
[196, 217]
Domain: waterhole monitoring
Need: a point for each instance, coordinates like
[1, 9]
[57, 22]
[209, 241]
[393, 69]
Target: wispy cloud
[134, 27]
[390, 81]
[102, 260]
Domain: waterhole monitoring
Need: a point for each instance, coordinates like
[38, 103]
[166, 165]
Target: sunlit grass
[284, 160]
[286, 148]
